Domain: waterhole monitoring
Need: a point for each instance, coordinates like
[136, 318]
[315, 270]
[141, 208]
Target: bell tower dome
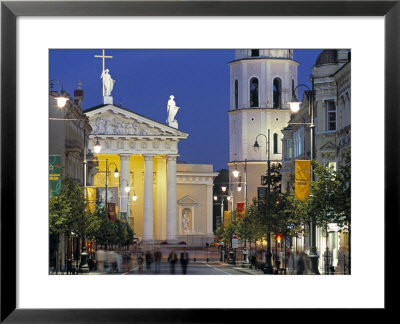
[261, 86]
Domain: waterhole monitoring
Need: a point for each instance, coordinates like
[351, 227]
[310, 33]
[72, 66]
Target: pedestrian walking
[149, 260]
[291, 263]
[140, 262]
[184, 260]
[253, 261]
[157, 260]
[301, 263]
[172, 259]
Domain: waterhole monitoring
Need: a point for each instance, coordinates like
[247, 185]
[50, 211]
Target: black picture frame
[10, 10]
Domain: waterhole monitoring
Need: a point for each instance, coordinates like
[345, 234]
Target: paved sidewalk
[249, 271]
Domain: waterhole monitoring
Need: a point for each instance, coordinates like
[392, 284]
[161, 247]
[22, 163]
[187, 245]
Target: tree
[59, 215]
[67, 212]
[105, 232]
[251, 228]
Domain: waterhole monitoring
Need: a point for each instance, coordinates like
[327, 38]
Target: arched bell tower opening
[261, 83]
[254, 92]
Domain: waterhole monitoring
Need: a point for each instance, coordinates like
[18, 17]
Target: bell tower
[261, 85]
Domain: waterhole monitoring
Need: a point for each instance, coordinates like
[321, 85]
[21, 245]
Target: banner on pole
[302, 179]
[240, 211]
[91, 198]
[111, 212]
[227, 218]
[54, 174]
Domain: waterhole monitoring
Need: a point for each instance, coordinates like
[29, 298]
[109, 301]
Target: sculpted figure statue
[185, 221]
[108, 83]
[172, 109]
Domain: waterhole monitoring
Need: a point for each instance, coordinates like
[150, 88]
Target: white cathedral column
[148, 208]
[172, 216]
[124, 181]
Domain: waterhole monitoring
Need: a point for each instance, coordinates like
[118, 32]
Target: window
[236, 94]
[298, 142]
[292, 87]
[330, 115]
[275, 143]
[277, 90]
[255, 53]
[289, 148]
[254, 92]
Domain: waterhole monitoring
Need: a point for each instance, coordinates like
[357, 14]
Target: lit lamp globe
[256, 146]
[134, 197]
[97, 147]
[61, 101]
[294, 104]
[116, 173]
[235, 173]
[127, 189]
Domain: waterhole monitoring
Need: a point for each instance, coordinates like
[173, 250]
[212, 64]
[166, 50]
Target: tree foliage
[329, 202]
[68, 213]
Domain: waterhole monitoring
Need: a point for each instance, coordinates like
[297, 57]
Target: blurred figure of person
[291, 263]
[112, 261]
[118, 261]
[157, 260]
[101, 258]
[301, 263]
[140, 262]
[184, 260]
[172, 259]
[149, 260]
[253, 261]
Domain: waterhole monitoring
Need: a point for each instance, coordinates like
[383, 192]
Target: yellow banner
[302, 179]
[91, 198]
[227, 218]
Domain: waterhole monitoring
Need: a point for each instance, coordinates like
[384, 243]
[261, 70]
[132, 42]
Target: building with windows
[332, 119]
[261, 86]
[69, 131]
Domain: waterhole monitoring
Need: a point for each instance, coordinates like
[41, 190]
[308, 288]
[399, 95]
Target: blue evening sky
[199, 80]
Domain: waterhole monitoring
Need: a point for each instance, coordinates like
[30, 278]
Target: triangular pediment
[116, 121]
[328, 147]
[187, 200]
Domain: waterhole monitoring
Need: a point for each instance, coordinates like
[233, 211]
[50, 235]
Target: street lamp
[97, 146]
[222, 209]
[295, 107]
[115, 175]
[222, 196]
[127, 189]
[235, 172]
[268, 265]
[97, 149]
[61, 100]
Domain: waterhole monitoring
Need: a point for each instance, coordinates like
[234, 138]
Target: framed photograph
[30, 28]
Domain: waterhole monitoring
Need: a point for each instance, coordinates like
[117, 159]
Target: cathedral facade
[140, 179]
